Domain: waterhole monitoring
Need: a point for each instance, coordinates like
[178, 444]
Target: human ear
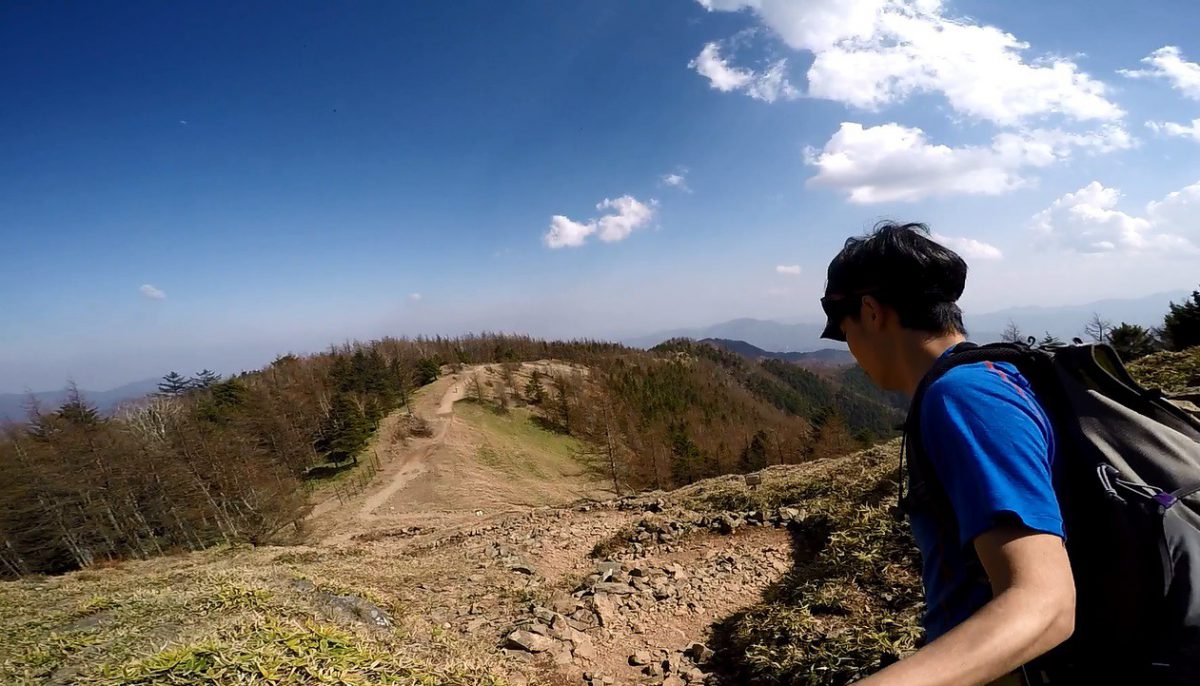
[871, 313]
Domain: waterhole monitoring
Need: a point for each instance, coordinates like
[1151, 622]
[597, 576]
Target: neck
[918, 351]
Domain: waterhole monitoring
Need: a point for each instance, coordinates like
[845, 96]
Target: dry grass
[1170, 371]
[224, 617]
[853, 596]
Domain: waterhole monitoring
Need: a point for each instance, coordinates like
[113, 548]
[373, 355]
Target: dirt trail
[405, 463]
[416, 461]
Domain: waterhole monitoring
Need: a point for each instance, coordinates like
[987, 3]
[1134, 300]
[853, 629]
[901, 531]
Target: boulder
[605, 608]
[698, 652]
[529, 642]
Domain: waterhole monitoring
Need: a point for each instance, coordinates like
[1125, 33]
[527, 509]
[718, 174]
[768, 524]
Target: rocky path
[599, 594]
[405, 462]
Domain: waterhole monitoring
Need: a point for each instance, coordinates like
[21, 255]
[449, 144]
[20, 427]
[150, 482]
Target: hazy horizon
[229, 361]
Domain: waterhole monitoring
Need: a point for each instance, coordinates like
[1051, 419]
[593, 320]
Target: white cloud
[1170, 128]
[871, 53]
[676, 180]
[565, 233]
[788, 269]
[1168, 63]
[622, 216]
[969, 247]
[415, 297]
[628, 214]
[768, 85]
[1088, 221]
[891, 162]
[151, 292]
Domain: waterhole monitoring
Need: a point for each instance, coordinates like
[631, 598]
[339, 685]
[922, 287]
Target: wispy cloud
[970, 247]
[1168, 63]
[768, 85]
[415, 297]
[788, 269]
[152, 293]
[1170, 128]
[676, 180]
[622, 216]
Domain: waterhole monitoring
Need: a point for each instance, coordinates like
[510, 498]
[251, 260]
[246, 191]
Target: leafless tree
[1098, 328]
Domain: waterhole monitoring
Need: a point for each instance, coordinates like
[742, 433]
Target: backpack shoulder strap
[925, 489]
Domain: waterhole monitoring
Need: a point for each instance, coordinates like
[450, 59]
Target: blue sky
[279, 176]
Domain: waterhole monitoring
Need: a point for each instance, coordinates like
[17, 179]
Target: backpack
[1129, 490]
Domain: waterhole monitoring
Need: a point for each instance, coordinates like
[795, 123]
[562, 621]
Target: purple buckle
[1165, 500]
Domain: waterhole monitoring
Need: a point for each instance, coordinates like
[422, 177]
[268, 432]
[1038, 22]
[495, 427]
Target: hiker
[985, 500]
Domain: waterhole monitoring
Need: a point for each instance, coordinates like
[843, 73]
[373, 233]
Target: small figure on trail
[990, 442]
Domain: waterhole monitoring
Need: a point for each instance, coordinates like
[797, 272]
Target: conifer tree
[347, 430]
[173, 384]
[427, 371]
[1182, 324]
[77, 411]
[1132, 341]
[534, 393]
[754, 455]
[205, 379]
[1050, 340]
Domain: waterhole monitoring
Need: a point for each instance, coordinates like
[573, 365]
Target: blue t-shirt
[992, 447]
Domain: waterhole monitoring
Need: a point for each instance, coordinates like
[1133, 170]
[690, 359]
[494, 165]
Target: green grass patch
[517, 445]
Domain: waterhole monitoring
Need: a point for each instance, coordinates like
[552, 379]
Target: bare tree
[1098, 328]
[1012, 333]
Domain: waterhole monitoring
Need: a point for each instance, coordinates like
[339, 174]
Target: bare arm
[1032, 610]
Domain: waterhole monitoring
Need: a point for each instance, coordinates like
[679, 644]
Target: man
[998, 584]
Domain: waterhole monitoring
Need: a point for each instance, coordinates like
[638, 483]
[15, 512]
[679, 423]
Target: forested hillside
[210, 460]
[844, 394]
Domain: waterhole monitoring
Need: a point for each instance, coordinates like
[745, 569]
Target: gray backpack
[1129, 488]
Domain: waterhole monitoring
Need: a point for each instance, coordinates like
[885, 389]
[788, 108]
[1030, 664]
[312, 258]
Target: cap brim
[833, 332]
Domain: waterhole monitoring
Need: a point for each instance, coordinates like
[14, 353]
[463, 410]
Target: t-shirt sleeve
[991, 447]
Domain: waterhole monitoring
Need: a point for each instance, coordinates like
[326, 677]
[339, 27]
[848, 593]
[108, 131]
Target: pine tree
[1182, 324]
[534, 393]
[1132, 341]
[174, 384]
[76, 410]
[205, 379]
[754, 455]
[427, 371]
[1050, 340]
[686, 458]
[347, 430]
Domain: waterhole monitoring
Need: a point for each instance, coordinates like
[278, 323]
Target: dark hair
[902, 267]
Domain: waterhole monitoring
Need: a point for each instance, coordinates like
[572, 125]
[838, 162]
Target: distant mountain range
[1066, 322]
[825, 357]
[764, 333]
[14, 406]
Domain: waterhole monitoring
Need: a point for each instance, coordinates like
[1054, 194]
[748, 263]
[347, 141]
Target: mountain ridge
[14, 406]
[1064, 321]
